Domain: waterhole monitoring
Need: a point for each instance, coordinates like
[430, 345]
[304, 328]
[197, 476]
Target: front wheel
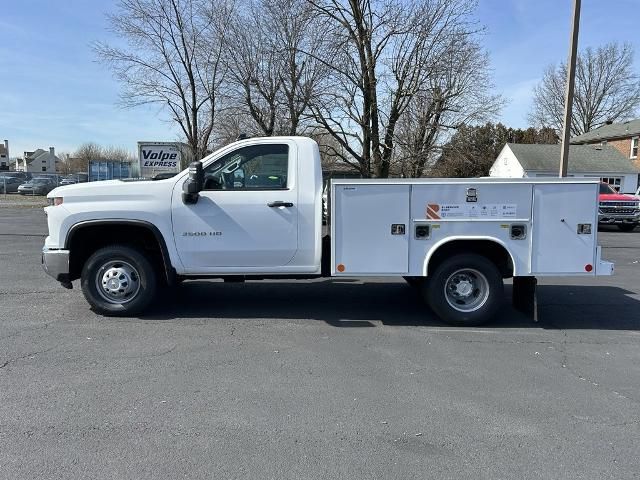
[627, 227]
[118, 281]
[465, 290]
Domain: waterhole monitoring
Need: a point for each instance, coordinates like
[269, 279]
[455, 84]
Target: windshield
[40, 180]
[606, 188]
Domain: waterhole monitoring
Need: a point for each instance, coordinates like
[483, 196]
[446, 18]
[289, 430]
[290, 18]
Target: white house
[39, 161]
[517, 160]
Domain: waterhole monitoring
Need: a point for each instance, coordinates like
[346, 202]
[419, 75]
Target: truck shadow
[614, 228]
[356, 304]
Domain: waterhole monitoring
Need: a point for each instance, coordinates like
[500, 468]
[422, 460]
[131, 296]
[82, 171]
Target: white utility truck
[253, 210]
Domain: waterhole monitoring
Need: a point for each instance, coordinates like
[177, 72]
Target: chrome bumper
[56, 264]
[618, 218]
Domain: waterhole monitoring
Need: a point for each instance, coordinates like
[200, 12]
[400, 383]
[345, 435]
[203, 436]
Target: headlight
[54, 202]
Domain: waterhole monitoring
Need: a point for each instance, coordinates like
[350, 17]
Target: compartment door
[370, 229]
[557, 247]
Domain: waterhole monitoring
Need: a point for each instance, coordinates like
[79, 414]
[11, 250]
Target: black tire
[474, 273]
[113, 263]
[627, 227]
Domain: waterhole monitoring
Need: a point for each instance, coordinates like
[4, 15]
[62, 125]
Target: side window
[257, 167]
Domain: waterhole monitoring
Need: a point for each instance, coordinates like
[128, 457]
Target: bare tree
[385, 57]
[607, 89]
[79, 160]
[85, 153]
[455, 94]
[271, 79]
[172, 59]
[65, 163]
[472, 150]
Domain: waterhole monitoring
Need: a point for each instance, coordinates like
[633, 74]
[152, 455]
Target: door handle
[280, 203]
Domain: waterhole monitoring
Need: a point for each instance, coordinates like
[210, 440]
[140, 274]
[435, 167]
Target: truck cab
[256, 211]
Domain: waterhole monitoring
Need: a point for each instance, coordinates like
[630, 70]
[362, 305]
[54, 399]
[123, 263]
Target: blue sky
[53, 93]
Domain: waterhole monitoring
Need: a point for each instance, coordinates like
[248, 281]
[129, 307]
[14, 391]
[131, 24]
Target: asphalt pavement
[331, 379]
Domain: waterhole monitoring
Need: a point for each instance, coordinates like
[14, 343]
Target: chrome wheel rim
[118, 282]
[466, 290]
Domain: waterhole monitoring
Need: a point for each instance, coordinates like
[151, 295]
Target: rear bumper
[56, 264]
[602, 266]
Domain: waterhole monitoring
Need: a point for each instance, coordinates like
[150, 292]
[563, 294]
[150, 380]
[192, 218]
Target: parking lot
[330, 378]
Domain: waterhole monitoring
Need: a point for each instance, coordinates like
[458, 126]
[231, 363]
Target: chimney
[52, 151]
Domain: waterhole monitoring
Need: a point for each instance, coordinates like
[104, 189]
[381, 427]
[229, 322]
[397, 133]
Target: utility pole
[571, 80]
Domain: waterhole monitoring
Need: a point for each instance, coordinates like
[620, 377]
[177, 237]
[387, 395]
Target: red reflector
[588, 267]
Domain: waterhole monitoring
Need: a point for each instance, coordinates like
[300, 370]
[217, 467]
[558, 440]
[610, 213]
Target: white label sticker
[436, 211]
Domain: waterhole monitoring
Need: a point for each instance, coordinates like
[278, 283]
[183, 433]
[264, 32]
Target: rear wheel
[627, 227]
[465, 290]
[118, 280]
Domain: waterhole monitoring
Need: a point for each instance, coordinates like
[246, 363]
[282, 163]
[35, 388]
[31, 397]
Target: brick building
[625, 137]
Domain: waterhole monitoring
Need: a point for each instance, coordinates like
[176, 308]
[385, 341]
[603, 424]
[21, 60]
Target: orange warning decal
[432, 211]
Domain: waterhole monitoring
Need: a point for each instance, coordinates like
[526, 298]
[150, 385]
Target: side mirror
[194, 183]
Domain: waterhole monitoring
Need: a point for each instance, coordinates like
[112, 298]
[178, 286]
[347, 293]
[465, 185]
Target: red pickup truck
[617, 208]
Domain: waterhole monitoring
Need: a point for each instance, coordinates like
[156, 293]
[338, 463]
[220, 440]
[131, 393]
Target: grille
[618, 204]
[629, 211]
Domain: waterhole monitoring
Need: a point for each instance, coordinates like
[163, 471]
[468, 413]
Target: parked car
[37, 186]
[74, 178]
[9, 184]
[53, 178]
[618, 208]
[24, 176]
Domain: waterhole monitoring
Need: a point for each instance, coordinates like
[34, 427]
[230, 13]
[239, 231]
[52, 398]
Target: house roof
[31, 156]
[582, 158]
[608, 132]
[40, 155]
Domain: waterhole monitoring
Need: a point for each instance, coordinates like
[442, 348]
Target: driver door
[246, 215]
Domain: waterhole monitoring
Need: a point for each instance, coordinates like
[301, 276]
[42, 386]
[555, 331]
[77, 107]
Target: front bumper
[619, 217]
[31, 191]
[56, 264]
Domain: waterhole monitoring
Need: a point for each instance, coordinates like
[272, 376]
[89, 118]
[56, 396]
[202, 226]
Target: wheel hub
[119, 282]
[466, 290]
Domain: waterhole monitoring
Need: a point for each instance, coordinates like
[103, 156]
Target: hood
[111, 190]
[81, 189]
[616, 197]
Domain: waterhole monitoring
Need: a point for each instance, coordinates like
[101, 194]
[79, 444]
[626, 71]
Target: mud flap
[525, 297]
